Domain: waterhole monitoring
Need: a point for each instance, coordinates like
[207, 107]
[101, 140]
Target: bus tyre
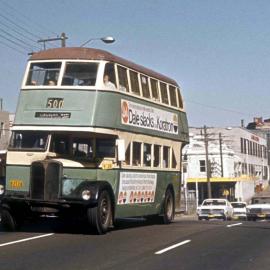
[168, 207]
[100, 217]
[8, 221]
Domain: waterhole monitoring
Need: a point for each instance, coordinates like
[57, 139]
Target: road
[184, 244]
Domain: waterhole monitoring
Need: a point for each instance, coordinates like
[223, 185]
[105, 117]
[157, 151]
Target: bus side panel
[164, 179]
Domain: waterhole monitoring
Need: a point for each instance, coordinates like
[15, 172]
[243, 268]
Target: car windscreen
[261, 200]
[28, 140]
[214, 202]
[238, 205]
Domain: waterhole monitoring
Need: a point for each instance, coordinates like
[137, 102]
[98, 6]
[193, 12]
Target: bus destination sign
[54, 115]
[139, 115]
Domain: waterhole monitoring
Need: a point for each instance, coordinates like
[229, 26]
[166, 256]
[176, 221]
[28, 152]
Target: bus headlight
[86, 195]
[2, 189]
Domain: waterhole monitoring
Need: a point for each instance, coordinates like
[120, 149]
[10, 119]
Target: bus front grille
[45, 180]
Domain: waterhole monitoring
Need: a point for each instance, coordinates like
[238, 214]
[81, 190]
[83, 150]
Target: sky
[218, 51]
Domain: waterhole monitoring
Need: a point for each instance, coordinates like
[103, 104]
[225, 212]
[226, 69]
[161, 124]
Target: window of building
[123, 79]
[43, 74]
[1, 129]
[147, 154]
[80, 74]
[164, 93]
[154, 88]
[173, 98]
[166, 157]
[157, 155]
[134, 82]
[136, 154]
[202, 166]
[145, 86]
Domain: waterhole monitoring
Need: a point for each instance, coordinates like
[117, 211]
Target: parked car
[259, 208]
[239, 210]
[215, 208]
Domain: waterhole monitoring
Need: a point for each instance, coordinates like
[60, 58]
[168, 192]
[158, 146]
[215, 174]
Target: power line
[18, 26]
[14, 42]
[18, 39]
[27, 19]
[218, 108]
[11, 47]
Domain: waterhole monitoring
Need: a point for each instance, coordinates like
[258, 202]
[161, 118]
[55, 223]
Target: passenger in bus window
[51, 82]
[108, 84]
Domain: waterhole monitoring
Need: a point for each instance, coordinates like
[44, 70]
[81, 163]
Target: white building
[237, 161]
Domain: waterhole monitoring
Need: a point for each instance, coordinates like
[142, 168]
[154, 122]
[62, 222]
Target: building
[237, 158]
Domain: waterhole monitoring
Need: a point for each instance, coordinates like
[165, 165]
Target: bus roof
[96, 54]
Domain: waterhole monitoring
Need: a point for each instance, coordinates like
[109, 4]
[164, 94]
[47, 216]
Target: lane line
[26, 239]
[172, 247]
[232, 225]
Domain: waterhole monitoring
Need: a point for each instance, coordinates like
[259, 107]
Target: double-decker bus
[94, 136]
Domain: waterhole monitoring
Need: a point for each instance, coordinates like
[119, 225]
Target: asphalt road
[184, 244]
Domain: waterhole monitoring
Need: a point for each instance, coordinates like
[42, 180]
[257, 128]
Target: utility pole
[62, 38]
[221, 154]
[209, 191]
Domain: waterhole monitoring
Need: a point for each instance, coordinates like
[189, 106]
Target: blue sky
[218, 51]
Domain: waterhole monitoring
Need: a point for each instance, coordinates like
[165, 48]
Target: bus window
[127, 162]
[28, 140]
[105, 148]
[134, 82]
[83, 74]
[174, 163]
[157, 155]
[123, 80]
[43, 73]
[82, 148]
[109, 76]
[173, 99]
[60, 145]
[136, 155]
[180, 100]
[166, 157]
[154, 87]
[146, 154]
[164, 93]
[145, 86]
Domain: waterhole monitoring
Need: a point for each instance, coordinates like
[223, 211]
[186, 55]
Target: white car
[259, 208]
[215, 208]
[239, 210]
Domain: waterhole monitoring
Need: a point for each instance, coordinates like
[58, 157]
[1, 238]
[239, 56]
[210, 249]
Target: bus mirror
[120, 149]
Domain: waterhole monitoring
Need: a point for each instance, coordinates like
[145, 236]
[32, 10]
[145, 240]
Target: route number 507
[55, 103]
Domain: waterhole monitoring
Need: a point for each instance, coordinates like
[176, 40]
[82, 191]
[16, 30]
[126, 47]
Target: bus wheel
[100, 217]
[8, 221]
[168, 207]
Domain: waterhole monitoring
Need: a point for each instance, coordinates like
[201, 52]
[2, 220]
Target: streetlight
[106, 40]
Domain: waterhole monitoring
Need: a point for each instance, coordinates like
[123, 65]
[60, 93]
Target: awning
[222, 179]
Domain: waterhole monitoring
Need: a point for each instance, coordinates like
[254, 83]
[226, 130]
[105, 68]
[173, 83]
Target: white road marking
[26, 239]
[171, 247]
[236, 224]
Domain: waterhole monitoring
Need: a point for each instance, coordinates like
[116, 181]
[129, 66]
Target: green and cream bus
[94, 136]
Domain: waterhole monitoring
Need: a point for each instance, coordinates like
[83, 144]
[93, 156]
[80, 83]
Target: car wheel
[100, 217]
[8, 221]
[168, 207]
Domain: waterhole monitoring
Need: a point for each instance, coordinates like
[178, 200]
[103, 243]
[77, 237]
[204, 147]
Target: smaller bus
[95, 136]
